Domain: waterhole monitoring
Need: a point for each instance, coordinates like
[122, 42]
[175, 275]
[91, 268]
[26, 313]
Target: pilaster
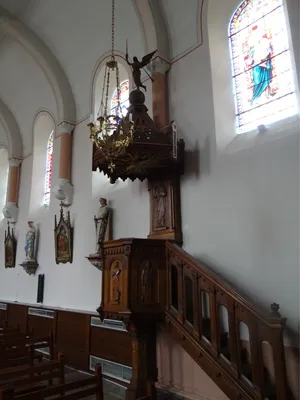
[160, 107]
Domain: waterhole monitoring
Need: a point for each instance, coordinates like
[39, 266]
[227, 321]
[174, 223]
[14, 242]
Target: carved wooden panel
[111, 345]
[115, 283]
[165, 214]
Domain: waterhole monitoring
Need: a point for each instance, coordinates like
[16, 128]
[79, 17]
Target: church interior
[149, 199]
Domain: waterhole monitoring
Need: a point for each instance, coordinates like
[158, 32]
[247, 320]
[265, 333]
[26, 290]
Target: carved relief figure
[147, 282]
[160, 195]
[115, 282]
[102, 224]
[30, 242]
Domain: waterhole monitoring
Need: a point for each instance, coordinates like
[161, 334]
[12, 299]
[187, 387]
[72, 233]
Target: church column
[160, 105]
[10, 210]
[64, 189]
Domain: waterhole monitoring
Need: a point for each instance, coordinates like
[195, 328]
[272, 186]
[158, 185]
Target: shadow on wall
[198, 160]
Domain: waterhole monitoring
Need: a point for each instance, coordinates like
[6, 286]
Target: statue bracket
[64, 191]
[30, 266]
[96, 260]
[10, 211]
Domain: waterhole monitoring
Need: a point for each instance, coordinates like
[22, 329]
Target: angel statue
[137, 65]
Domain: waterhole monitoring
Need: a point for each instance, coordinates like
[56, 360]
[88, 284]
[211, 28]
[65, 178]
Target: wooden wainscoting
[78, 335]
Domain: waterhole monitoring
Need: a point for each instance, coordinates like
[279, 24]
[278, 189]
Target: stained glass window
[124, 101]
[48, 175]
[261, 62]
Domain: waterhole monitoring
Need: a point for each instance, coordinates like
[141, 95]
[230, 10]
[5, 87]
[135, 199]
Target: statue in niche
[147, 282]
[160, 196]
[102, 224]
[115, 282]
[136, 67]
[30, 264]
[30, 242]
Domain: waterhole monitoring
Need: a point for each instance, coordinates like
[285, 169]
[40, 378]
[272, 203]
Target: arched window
[261, 63]
[48, 174]
[124, 99]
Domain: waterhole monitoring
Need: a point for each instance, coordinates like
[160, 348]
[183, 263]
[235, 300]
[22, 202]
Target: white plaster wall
[19, 82]
[239, 209]
[76, 285]
[3, 178]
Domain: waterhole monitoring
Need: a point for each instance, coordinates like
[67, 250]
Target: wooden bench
[69, 391]
[10, 344]
[24, 379]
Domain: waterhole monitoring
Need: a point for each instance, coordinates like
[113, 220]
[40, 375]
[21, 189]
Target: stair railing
[194, 298]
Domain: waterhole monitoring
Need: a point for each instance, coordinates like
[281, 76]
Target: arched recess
[4, 168]
[154, 27]
[11, 127]
[43, 127]
[219, 15]
[12, 26]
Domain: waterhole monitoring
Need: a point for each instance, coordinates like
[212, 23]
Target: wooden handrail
[187, 280]
[224, 286]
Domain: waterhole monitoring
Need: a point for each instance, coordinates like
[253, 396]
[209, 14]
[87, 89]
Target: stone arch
[36, 47]
[11, 127]
[153, 26]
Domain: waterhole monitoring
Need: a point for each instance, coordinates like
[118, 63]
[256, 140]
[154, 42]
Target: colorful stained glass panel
[124, 101]
[48, 174]
[261, 64]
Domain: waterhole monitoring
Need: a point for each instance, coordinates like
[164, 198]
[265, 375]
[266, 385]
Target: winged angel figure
[137, 65]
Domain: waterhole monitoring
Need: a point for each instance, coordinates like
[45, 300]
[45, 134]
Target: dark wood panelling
[111, 345]
[73, 335]
[40, 326]
[17, 316]
[3, 316]
[72, 338]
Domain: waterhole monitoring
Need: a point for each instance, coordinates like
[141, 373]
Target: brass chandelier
[113, 133]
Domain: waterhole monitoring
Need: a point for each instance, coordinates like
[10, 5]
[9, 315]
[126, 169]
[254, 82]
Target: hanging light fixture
[113, 133]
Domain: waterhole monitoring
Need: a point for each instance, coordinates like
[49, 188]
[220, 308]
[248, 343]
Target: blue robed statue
[30, 242]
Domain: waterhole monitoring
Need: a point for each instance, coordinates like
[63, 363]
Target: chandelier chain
[113, 29]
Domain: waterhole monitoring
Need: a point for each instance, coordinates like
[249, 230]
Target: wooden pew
[9, 345]
[28, 379]
[79, 389]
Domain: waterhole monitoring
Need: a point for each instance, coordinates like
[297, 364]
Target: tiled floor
[109, 389]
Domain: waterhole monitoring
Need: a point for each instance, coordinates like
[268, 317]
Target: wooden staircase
[195, 298]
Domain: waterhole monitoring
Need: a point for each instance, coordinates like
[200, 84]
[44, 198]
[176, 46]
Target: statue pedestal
[30, 266]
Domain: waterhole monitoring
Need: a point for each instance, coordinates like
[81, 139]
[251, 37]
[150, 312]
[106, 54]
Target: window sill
[252, 139]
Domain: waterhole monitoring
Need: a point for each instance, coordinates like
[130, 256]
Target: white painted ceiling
[78, 33]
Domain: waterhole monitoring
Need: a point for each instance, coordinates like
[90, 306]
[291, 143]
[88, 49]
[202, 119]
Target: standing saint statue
[30, 242]
[102, 224]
